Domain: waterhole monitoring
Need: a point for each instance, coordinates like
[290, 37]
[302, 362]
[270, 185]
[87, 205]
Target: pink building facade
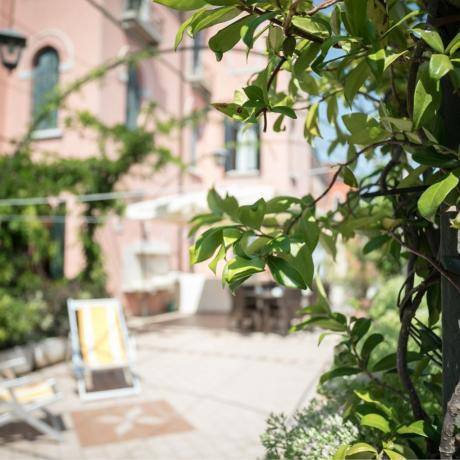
[79, 35]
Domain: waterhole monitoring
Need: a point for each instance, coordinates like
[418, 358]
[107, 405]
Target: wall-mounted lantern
[11, 45]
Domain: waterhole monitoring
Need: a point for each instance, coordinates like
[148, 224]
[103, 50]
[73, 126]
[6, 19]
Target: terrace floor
[206, 392]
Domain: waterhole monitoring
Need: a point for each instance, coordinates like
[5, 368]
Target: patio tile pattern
[219, 384]
[125, 422]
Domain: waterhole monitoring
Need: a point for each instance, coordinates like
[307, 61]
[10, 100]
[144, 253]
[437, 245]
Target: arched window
[133, 98]
[45, 79]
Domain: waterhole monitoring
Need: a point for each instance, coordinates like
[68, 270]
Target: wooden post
[449, 114]
[450, 259]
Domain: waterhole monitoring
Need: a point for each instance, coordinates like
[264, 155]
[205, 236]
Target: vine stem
[408, 313]
[432, 262]
[321, 6]
[337, 174]
[299, 32]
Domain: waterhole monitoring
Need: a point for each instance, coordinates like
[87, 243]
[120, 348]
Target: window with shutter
[243, 146]
[133, 98]
[197, 54]
[45, 78]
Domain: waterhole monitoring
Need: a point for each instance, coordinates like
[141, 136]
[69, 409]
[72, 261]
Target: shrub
[314, 433]
[20, 320]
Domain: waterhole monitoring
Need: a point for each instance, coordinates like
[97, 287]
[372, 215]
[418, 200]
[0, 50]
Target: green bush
[314, 433]
[26, 317]
[20, 320]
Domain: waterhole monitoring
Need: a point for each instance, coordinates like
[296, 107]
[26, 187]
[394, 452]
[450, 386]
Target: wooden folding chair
[100, 342]
[21, 397]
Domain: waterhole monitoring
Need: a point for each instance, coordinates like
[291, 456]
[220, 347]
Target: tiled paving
[221, 383]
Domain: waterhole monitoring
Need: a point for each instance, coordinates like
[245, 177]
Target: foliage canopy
[386, 77]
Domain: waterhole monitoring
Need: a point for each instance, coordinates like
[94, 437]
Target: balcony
[138, 21]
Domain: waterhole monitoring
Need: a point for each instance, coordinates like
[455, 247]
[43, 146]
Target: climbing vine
[33, 287]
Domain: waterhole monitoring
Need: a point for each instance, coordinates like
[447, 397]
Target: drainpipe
[180, 147]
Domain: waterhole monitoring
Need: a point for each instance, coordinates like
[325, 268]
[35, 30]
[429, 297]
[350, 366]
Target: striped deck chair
[100, 342]
[21, 398]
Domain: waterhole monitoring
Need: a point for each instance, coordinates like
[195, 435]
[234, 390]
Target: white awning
[180, 208]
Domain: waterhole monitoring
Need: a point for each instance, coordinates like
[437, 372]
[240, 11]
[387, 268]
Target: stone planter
[25, 352]
[36, 355]
[49, 351]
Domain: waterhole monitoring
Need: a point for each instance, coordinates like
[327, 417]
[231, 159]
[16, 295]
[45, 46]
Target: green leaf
[370, 343]
[310, 233]
[401, 124]
[329, 244]
[389, 60]
[360, 329]
[311, 25]
[182, 5]
[433, 299]
[223, 2]
[284, 273]
[253, 92]
[306, 58]
[389, 361]
[376, 421]
[253, 215]
[281, 204]
[432, 39]
[427, 98]
[206, 245]
[434, 196]
[354, 80]
[356, 17]
[348, 177]
[230, 236]
[289, 45]
[213, 17]
[232, 110]
[453, 45]
[241, 268]
[284, 110]
[375, 243]
[303, 263]
[376, 62]
[341, 452]
[323, 336]
[322, 322]
[399, 22]
[363, 128]
[275, 39]
[417, 428]
[202, 219]
[183, 27]
[311, 123]
[359, 448]
[393, 455]
[230, 207]
[365, 396]
[440, 65]
[339, 372]
[248, 30]
[430, 158]
[252, 244]
[219, 256]
[228, 37]
[214, 201]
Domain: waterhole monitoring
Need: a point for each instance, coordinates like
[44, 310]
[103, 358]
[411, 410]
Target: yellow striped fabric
[28, 393]
[101, 339]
